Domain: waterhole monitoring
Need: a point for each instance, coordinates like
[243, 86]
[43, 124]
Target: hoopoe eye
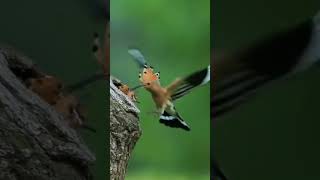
[158, 74]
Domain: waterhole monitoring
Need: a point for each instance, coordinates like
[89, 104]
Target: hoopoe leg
[159, 111]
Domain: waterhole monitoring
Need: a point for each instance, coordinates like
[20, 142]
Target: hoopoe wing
[138, 57]
[183, 86]
[174, 121]
[238, 77]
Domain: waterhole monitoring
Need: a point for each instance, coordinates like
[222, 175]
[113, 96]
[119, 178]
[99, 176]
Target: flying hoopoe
[163, 97]
[239, 75]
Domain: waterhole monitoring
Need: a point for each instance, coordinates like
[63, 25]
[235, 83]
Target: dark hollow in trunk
[35, 141]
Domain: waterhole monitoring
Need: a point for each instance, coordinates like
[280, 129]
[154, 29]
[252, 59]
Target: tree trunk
[124, 131]
[35, 141]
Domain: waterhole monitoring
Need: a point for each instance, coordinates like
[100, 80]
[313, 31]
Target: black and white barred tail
[174, 121]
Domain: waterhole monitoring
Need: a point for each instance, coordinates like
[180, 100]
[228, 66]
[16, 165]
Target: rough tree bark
[124, 131]
[35, 141]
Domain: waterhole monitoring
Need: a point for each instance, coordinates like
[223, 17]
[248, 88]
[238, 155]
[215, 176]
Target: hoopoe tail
[174, 121]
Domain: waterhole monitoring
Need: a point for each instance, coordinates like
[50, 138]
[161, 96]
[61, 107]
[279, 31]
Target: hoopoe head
[48, 88]
[148, 78]
[70, 108]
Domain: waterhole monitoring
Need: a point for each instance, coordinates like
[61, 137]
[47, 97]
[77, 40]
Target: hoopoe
[72, 110]
[239, 75]
[51, 90]
[47, 87]
[125, 89]
[163, 97]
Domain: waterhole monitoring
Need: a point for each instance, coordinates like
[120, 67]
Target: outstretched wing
[239, 76]
[181, 87]
[138, 57]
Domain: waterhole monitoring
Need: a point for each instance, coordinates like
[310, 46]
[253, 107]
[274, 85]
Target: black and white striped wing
[274, 58]
[182, 87]
[173, 121]
[138, 57]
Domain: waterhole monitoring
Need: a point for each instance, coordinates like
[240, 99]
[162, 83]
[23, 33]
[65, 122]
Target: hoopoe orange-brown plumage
[163, 97]
[51, 90]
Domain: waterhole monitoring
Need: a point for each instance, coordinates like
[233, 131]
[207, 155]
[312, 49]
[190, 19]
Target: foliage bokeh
[174, 37]
[273, 136]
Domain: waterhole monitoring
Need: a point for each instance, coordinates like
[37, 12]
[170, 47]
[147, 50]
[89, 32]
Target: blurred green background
[57, 35]
[276, 135]
[174, 38]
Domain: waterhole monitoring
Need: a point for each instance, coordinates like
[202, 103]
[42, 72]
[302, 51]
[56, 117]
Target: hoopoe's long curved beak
[238, 76]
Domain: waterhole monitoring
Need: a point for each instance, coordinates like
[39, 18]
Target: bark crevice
[36, 142]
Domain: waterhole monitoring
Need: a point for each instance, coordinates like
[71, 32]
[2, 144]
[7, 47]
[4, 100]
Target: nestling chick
[125, 89]
[69, 107]
[50, 89]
